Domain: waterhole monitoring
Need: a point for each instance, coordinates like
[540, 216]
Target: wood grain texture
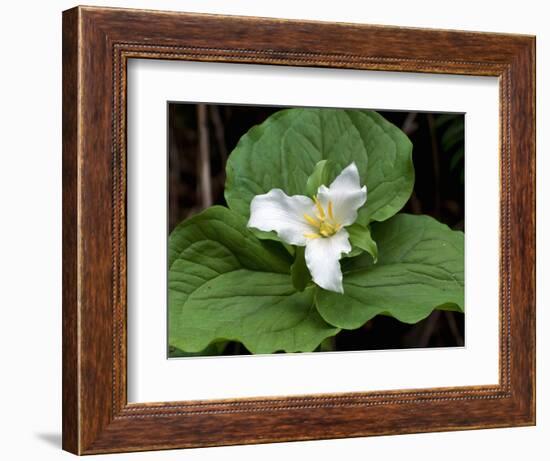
[97, 43]
[70, 383]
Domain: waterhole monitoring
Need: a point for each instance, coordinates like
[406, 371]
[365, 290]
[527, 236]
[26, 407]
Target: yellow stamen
[324, 222]
[327, 229]
[330, 210]
[314, 222]
[319, 209]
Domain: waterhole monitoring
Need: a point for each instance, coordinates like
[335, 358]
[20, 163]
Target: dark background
[201, 136]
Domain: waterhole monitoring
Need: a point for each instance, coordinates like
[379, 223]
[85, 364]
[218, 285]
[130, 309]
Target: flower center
[323, 221]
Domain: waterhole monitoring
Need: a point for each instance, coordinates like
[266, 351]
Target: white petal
[346, 195]
[276, 211]
[323, 260]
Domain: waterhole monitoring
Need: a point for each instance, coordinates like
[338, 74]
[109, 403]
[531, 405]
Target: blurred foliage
[451, 133]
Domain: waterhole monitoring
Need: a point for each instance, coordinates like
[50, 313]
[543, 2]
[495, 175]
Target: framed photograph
[280, 230]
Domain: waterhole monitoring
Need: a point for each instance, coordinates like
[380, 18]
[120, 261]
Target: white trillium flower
[318, 223]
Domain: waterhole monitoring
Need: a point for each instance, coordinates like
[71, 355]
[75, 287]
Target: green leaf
[210, 350]
[453, 134]
[219, 225]
[360, 238]
[299, 271]
[457, 158]
[272, 235]
[322, 173]
[327, 345]
[225, 284]
[283, 152]
[420, 268]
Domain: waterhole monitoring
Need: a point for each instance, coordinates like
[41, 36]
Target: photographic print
[219, 239]
[297, 229]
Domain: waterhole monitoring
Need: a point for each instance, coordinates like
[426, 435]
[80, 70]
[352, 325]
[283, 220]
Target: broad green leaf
[218, 224]
[299, 271]
[327, 345]
[420, 267]
[225, 284]
[210, 350]
[272, 235]
[322, 174]
[283, 151]
[360, 238]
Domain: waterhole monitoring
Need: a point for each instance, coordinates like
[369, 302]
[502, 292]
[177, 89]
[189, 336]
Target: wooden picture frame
[97, 43]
